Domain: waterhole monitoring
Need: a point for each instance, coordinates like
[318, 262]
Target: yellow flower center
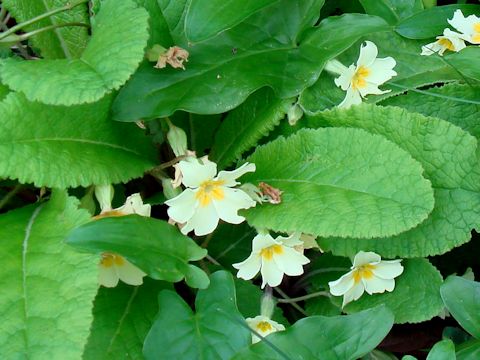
[209, 190]
[264, 326]
[446, 44]
[358, 80]
[363, 272]
[476, 29]
[109, 259]
[268, 252]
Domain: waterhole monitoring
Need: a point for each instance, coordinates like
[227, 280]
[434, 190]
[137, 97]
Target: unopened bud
[294, 114]
[177, 139]
[169, 190]
[104, 195]
[268, 303]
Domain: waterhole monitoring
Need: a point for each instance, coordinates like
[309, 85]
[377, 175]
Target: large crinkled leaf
[261, 51]
[65, 42]
[415, 26]
[47, 288]
[246, 125]
[462, 299]
[207, 18]
[448, 155]
[122, 317]
[215, 331]
[328, 338]
[59, 146]
[392, 10]
[120, 34]
[413, 71]
[339, 182]
[416, 296]
[155, 246]
[456, 103]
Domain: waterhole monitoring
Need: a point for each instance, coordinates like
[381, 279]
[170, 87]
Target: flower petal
[271, 274]
[432, 48]
[351, 98]
[364, 258]
[353, 294]
[262, 241]
[291, 261]
[462, 23]
[372, 89]
[134, 205]
[203, 222]
[368, 53]
[107, 276]
[343, 285]
[292, 240]
[344, 81]
[130, 274]
[230, 176]
[248, 268]
[234, 200]
[182, 207]
[388, 269]
[376, 285]
[382, 70]
[194, 173]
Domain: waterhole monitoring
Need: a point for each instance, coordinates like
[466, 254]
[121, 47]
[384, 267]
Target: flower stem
[305, 297]
[38, 18]
[294, 304]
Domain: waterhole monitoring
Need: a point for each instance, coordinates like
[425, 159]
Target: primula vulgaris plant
[193, 179]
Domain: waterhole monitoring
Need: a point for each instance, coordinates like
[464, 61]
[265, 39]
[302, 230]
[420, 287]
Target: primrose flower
[369, 273]
[450, 40]
[208, 198]
[264, 326]
[468, 26]
[273, 258]
[364, 78]
[113, 267]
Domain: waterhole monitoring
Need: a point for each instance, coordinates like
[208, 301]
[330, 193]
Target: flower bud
[104, 195]
[294, 114]
[177, 139]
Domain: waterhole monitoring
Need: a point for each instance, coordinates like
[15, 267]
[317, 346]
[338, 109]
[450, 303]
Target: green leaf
[392, 10]
[469, 350]
[216, 330]
[466, 61]
[443, 350]
[111, 152]
[261, 51]
[66, 42]
[330, 338]
[413, 71]
[456, 103]
[159, 31]
[47, 288]
[208, 18]
[339, 182]
[155, 246]
[448, 155]
[415, 26]
[462, 299]
[112, 55]
[4, 90]
[122, 316]
[416, 296]
[246, 125]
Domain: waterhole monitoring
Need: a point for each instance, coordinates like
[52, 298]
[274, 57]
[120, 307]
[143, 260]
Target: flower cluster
[468, 30]
[208, 196]
[364, 77]
[113, 267]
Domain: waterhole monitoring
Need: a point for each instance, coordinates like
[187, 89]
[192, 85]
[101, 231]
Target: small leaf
[443, 350]
[339, 181]
[462, 299]
[215, 331]
[79, 145]
[246, 125]
[392, 10]
[155, 246]
[259, 52]
[415, 26]
[66, 42]
[112, 55]
[47, 288]
[122, 316]
[207, 18]
[329, 338]
[416, 296]
[469, 350]
[448, 155]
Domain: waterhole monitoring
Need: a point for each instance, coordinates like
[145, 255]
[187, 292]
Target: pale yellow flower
[264, 326]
